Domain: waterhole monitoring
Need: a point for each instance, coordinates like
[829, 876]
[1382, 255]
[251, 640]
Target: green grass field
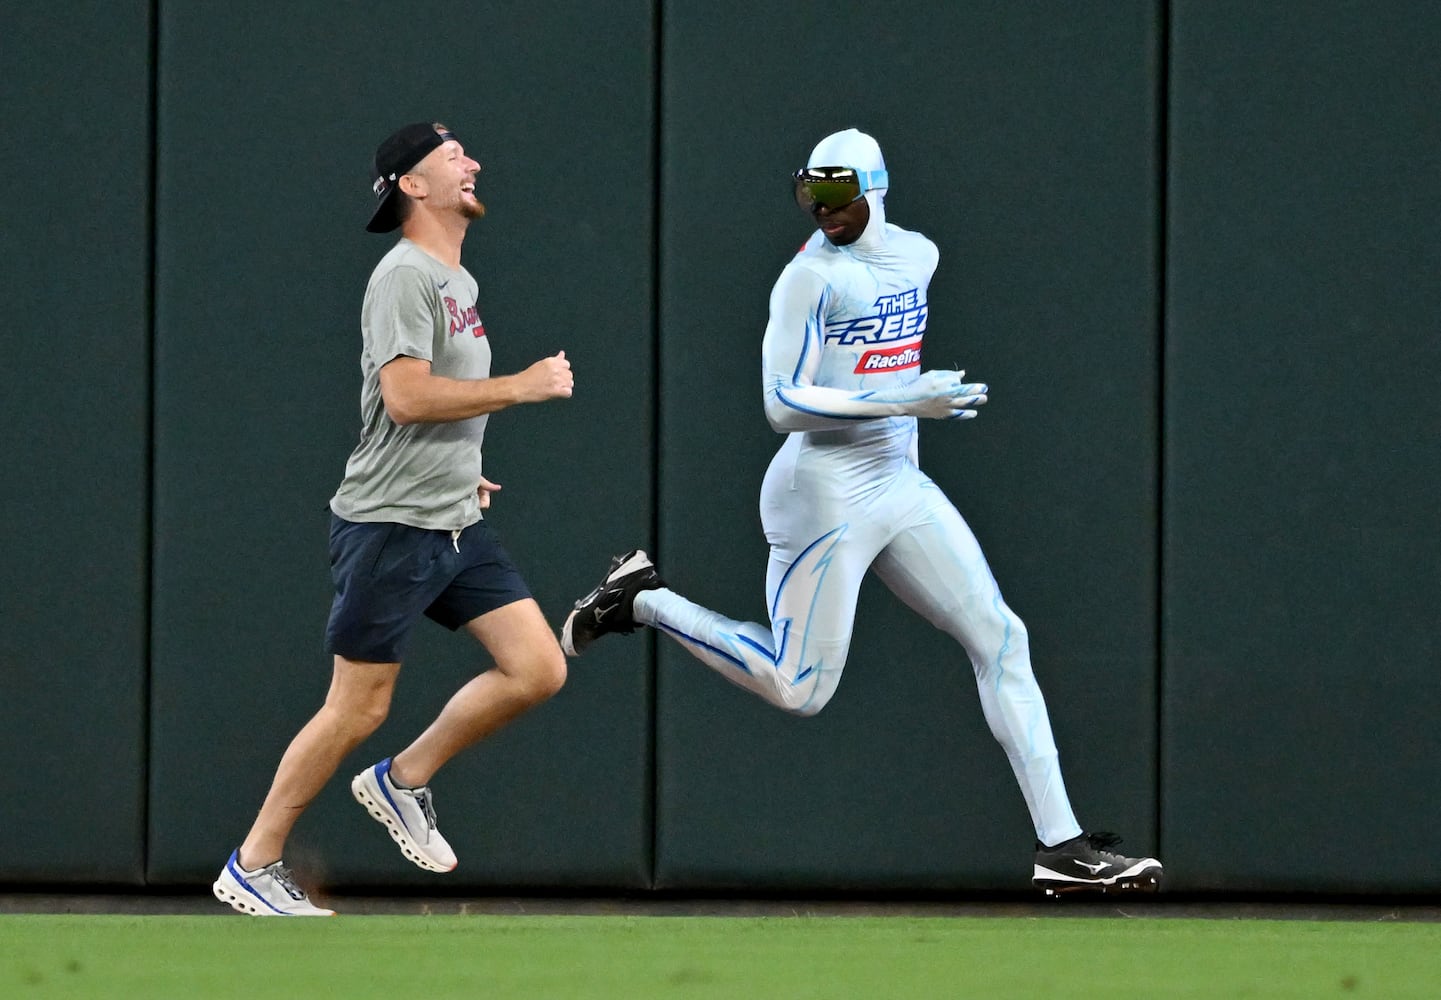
[419, 957]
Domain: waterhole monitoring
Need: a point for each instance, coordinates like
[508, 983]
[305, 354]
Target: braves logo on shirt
[463, 319]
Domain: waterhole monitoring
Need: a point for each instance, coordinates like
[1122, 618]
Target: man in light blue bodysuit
[844, 494]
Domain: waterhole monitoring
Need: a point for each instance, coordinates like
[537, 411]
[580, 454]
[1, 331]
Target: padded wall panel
[1021, 137]
[268, 121]
[75, 332]
[1302, 561]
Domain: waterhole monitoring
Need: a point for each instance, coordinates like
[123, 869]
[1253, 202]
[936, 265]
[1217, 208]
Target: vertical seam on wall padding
[652, 713]
[1163, 167]
[148, 598]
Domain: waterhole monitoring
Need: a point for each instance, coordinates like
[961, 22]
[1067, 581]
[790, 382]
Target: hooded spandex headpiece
[853, 148]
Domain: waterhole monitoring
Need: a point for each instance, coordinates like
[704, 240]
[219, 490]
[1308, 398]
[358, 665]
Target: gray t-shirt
[423, 474]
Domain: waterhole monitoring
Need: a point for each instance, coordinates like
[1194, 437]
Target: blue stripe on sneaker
[380, 776]
[234, 867]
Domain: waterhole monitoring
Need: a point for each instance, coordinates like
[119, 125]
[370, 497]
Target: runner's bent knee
[360, 693]
[541, 675]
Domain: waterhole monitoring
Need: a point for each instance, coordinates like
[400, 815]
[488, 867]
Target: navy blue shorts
[387, 575]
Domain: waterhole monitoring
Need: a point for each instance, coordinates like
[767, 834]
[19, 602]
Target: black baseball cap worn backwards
[403, 149]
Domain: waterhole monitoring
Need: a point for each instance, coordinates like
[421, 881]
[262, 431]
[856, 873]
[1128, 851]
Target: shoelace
[286, 881]
[1103, 839]
[422, 799]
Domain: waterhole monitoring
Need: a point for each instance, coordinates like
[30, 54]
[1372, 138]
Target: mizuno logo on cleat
[1093, 869]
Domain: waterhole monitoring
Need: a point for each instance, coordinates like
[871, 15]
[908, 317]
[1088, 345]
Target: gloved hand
[937, 395]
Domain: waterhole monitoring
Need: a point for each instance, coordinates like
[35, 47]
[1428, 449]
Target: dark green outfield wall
[75, 324]
[1301, 667]
[1191, 246]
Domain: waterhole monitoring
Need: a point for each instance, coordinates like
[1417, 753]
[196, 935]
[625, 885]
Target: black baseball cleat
[610, 606]
[1083, 864]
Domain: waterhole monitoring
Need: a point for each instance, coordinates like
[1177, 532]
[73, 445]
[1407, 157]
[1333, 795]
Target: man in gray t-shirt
[422, 474]
[407, 535]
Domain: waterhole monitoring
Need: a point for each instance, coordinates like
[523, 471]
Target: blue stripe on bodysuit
[781, 395]
[813, 332]
[778, 628]
[997, 603]
[814, 325]
[692, 640]
[800, 559]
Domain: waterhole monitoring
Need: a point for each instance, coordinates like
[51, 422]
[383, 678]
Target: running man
[407, 536]
[844, 494]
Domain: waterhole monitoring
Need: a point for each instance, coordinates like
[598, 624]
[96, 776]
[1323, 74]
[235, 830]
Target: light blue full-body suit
[841, 369]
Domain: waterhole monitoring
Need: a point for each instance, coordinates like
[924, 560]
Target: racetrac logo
[897, 317]
[890, 359]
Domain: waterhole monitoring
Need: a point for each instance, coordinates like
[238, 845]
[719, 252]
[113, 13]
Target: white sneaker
[407, 813]
[265, 892]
